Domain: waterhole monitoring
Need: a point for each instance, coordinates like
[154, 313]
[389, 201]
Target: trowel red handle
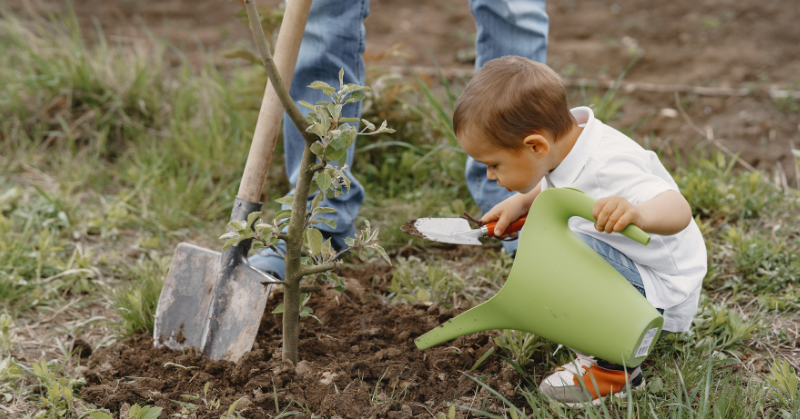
[514, 227]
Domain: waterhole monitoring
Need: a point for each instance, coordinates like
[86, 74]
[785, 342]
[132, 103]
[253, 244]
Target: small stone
[442, 376]
[668, 113]
[327, 378]
[302, 368]
[403, 336]
[355, 349]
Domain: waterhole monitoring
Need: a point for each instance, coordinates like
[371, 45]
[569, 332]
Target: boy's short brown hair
[510, 98]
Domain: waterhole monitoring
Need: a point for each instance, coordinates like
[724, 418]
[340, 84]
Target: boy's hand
[614, 213]
[506, 213]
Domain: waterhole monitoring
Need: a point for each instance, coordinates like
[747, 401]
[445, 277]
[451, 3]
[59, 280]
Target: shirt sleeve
[631, 177]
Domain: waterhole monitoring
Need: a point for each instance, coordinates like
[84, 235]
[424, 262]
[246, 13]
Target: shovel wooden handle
[514, 227]
[269, 116]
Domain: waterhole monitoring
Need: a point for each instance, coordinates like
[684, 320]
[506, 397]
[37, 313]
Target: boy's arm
[666, 214]
[511, 209]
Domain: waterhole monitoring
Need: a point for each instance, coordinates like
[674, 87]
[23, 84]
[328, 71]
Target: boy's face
[514, 169]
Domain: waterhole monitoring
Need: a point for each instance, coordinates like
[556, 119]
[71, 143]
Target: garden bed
[360, 362]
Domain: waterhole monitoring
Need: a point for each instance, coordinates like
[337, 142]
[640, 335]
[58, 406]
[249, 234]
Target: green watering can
[562, 290]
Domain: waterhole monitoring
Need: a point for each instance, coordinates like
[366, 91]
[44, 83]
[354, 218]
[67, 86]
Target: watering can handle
[631, 231]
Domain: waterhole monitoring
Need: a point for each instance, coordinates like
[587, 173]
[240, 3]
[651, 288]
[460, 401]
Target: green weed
[136, 303]
[413, 281]
[784, 388]
[518, 347]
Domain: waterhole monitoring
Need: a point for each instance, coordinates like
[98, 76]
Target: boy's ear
[537, 144]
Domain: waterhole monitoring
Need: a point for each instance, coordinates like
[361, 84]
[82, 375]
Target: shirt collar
[569, 169]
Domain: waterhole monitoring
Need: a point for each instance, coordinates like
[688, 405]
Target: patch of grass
[136, 302]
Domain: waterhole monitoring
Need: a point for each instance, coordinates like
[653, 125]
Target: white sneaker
[599, 378]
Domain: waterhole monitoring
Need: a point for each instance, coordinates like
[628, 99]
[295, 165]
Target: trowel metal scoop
[455, 230]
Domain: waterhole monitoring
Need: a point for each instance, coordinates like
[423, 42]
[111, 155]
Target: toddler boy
[513, 116]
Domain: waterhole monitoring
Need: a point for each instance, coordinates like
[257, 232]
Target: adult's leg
[505, 27]
[334, 38]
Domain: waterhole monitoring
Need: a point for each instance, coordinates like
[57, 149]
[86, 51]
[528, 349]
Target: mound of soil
[361, 362]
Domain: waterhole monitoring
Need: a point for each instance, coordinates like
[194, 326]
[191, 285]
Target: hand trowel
[456, 230]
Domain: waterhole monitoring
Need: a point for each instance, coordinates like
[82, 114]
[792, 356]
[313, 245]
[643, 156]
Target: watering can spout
[562, 290]
[477, 319]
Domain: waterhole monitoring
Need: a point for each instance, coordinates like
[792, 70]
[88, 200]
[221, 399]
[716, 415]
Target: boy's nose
[490, 174]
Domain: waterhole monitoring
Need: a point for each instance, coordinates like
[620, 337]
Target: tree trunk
[294, 246]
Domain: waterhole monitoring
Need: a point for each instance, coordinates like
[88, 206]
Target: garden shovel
[212, 301]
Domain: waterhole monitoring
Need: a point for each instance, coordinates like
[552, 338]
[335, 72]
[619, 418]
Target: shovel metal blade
[217, 313]
[445, 230]
[182, 311]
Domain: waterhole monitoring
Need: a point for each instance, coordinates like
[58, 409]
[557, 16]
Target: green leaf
[100, 415]
[341, 78]
[324, 181]
[349, 120]
[383, 253]
[258, 245]
[278, 309]
[309, 119]
[337, 143]
[151, 412]
[323, 210]
[282, 214]
[229, 243]
[317, 149]
[370, 126]
[320, 85]
[317, 129]
[237, 225]
[336, 155]
[352, 87]
[325, 120]
[251, 218]
[349, 241]
[306, 104]
[327, 221]
[229, 235]
[286, 200]
[314, 239]
[356, 97]
[264, 229]
[348, 137]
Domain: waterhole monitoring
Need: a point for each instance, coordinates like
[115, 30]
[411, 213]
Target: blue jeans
[619, 261]
[511, 27]
[335, 38]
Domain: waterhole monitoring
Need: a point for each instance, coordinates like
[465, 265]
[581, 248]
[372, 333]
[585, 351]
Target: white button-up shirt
[605, 162]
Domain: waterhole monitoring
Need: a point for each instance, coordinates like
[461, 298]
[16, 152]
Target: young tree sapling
[327, 136]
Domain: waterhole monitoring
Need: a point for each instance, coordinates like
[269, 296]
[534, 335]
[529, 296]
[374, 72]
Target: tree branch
[315, 269]
[272, 71]
[275, 249]
[282, 236]
[317, 167]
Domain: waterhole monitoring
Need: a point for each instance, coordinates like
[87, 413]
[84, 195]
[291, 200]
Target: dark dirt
[410, 228]
[350, 365]
[81, 348]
